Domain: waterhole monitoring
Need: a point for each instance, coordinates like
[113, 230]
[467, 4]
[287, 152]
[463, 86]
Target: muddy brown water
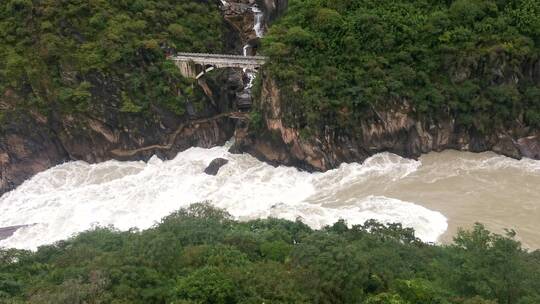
[454, 188]
[496, 191]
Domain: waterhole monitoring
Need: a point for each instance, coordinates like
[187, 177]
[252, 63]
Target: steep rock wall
[31, 142]
[396, 130]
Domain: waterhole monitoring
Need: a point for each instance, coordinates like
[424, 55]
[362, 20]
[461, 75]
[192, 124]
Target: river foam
[76, 196]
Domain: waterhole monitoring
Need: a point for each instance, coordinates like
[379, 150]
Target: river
[434, 195]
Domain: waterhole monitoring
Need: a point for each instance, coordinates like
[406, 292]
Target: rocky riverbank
[396, 130]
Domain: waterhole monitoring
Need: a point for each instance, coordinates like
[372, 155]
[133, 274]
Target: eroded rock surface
[395, 130]
[6, 232]
[31, 142]
[215, 165]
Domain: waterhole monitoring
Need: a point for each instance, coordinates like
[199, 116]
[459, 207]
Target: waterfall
[258, 17]
[249, 73]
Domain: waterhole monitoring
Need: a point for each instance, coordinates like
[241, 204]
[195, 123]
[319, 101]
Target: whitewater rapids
[77, 196]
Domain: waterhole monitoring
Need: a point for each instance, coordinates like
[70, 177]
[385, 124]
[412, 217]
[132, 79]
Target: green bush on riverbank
[337, 61]
[201, 255]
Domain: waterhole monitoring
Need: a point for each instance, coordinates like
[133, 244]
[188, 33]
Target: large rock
[215, 165]
[26, 148]
[529, 146]
[6, 232]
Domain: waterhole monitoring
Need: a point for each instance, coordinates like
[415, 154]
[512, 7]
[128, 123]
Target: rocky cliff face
[396, 131]
[239, 17]
[31, 142]
[273, 9]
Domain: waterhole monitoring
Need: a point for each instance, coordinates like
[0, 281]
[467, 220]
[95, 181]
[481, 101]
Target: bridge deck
[203, 55]
[220, 60]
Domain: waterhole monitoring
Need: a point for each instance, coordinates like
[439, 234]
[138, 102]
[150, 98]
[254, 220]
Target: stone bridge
[194, 65]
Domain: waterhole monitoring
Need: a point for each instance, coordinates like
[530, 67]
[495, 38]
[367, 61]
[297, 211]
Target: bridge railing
[208, 55]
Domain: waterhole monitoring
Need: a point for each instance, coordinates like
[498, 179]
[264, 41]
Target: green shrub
[74, 56]
[448, 58]
[201, 255]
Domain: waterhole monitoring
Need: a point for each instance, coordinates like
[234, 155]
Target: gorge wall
[349, 79]
[32, 140]
[397, 130]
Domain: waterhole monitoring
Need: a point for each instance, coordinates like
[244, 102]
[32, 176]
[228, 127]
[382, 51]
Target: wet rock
[529, 146]
[239, 17]
[243, 101]
[215, 165]
[26, 148]
[507, 146]
[6, 232]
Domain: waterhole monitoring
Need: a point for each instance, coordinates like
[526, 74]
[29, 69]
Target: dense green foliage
[201, 255]
[338, 60]
[70, 55]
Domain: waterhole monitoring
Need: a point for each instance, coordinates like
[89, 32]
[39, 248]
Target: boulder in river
[215, 165]
[6, 232]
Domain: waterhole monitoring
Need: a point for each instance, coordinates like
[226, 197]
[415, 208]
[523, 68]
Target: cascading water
[250, 74]
[75, 196]
[258, 23]
[465, 187]
[258, 18]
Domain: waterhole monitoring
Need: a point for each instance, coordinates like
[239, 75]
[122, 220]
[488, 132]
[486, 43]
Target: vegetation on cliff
[339, 61]
[202, 255]
[70, 56]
